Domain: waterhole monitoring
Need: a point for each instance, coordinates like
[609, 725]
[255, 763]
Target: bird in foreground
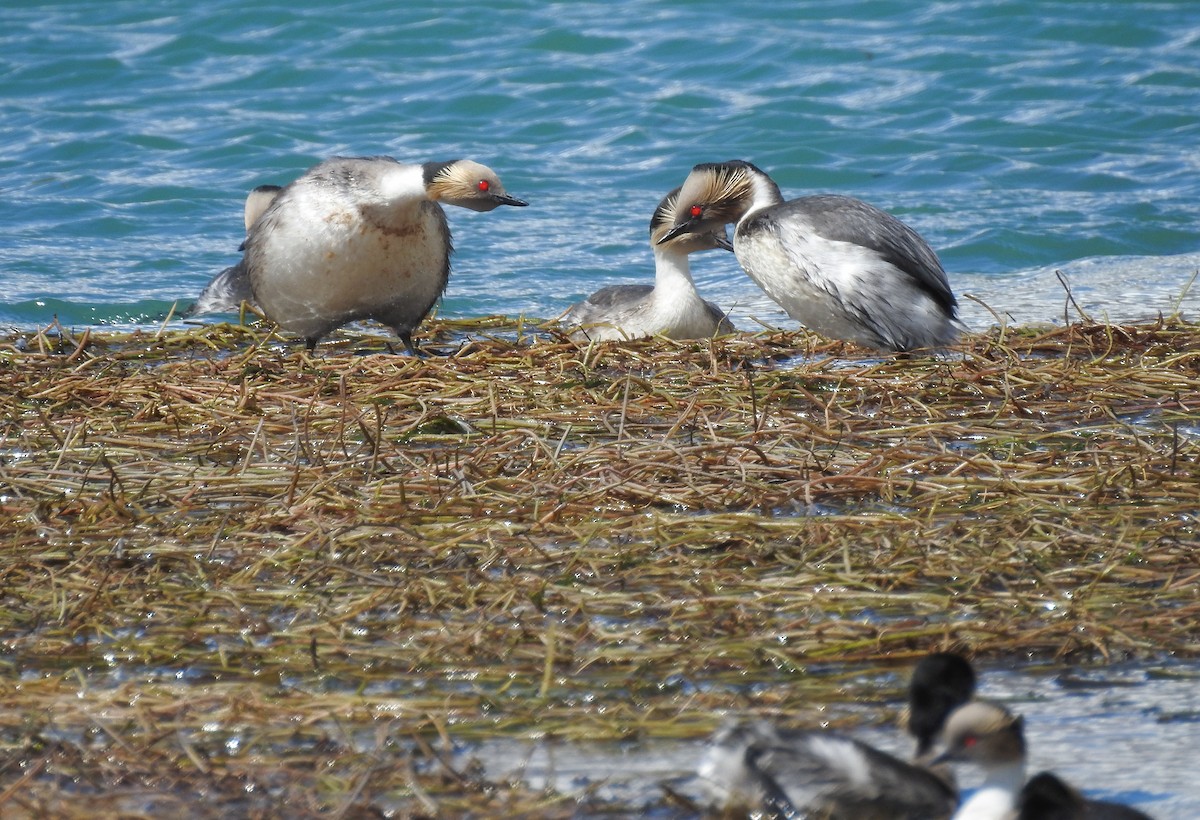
[1047, 797]
[362, 238]
[670, 307]
[756, 767]
[992, 738]
[231, 287]
[837, 265]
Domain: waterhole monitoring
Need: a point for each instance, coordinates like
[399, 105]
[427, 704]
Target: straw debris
[236, 575]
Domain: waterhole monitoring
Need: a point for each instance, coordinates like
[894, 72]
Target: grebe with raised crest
[839, 266]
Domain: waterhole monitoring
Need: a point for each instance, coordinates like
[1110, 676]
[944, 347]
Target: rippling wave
[1017, 137]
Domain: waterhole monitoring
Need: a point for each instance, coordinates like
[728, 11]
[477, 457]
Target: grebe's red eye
[969, 741]
[696, 211]
[484, 185]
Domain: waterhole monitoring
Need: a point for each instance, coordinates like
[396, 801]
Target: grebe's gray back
[670, 307]
[758, 767]
[839, 266]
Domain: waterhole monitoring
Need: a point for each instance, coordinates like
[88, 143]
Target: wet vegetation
[236, 576]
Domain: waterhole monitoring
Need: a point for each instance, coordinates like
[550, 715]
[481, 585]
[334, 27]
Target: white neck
[766, 193]
[403, 182]
[673, 283]
[996, 799]
[677, 308]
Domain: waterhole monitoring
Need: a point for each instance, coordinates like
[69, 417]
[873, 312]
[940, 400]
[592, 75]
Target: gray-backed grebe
[837, 265]
[670, 307]
[362, 238]
[757, 767]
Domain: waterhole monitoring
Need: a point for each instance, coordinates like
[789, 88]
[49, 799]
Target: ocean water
[1020, 138]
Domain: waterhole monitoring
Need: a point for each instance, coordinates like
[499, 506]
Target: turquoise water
[1019, 138]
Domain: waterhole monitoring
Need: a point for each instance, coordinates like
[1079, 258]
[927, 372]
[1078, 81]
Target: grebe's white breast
[362, 238]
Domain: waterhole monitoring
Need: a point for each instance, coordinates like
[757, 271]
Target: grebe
[362, 238]
[670, 307]
[992, 738]
[837, 265]
[758, 767]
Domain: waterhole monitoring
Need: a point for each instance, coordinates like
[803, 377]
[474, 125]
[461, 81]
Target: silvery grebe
[758, 767]
[837, 265]
[670, 307]
[992, 738]
[362, 238]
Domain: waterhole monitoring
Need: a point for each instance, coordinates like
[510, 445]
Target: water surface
[1018, 137]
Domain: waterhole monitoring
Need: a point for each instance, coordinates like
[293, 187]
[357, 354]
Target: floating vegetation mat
[236, 576]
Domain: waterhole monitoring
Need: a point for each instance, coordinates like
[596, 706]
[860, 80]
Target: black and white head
[985, 734]
[466, 184]
[665, 216]
[719, 193]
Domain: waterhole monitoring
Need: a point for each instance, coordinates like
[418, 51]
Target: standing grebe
[229, 288]
[758, 767]
[992, 738]
[362, 238]
[837, 265]
[670, 307]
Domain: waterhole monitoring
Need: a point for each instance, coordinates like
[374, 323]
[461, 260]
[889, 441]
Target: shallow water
[1125, 733]
[1018, 137]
